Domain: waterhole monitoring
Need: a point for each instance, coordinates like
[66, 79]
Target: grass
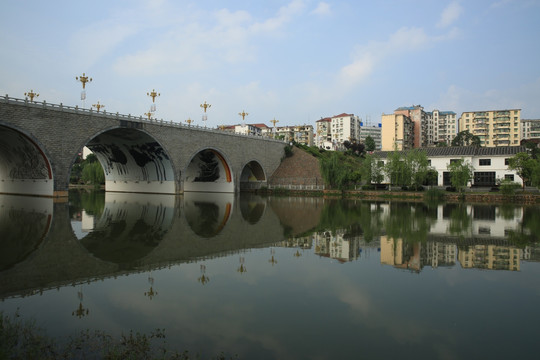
[23, 339]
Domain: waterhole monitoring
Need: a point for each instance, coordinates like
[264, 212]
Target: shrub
[434, 194]
[508, 187]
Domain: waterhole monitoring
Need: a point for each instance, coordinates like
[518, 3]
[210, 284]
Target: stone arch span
[252, 176]
[133, 161]
[24, 167]
[208, 171]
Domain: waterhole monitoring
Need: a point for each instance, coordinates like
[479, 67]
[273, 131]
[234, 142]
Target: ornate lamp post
[272, 260]
[243, 114]
[98, 106]
[31, 95]
[153, 94]
[203, 279]
[189, 121]
[83, 79]
[274, 122]
[205, 106]
[148, 115]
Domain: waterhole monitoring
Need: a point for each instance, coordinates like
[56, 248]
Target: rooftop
[462, 151]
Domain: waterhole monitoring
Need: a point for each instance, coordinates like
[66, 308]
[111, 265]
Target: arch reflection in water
[208, 213]
[130, 226]
[24, 223]
[252, 207]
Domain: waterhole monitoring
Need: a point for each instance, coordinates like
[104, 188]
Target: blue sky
[292, 60]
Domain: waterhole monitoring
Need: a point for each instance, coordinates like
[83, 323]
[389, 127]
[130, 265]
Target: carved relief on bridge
[20, 158]
[127, 154]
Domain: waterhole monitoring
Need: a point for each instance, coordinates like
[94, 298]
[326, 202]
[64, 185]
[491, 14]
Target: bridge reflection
[46, 244]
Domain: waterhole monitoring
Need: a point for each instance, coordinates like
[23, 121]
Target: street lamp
[153, 94]
[31, 95]
[274, 122]
[204, 116]
[189, 121]
[98, 106]
[83, 79]
[148, 115]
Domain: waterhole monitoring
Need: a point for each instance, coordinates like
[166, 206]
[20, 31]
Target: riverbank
[474, 197]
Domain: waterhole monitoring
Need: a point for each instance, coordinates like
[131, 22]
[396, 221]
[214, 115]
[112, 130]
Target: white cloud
[366, 58]
[322, 9]
[450, 14]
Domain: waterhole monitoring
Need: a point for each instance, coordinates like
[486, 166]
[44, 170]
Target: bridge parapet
[117, 116]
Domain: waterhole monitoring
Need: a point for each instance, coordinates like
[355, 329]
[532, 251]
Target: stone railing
[117, 116]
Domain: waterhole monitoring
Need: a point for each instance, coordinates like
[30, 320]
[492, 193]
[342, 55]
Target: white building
[445, 126]
[530, 129]
[373, 131]
[489, 163]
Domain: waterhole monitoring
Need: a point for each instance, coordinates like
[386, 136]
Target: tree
[371, 169]
[334, 172]
[395, 169]
[442, 144]
[465, 138]
[526, 167]
[461, 172]
[93, 173]
[370, 143]
[417, 165]
[354, 146]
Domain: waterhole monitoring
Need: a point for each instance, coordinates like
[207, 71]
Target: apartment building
[493, 127]
[244, 129]
[373, 131]
[323, 136]
[397, 132]
[302, 134]
[445, 126]
[423, 128]
[530, 129]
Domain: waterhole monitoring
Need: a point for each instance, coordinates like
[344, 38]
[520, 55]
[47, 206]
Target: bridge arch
[24, 166]
[208, 170]
[133, 161]
[253, 176]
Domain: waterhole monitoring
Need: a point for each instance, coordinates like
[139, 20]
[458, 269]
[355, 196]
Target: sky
[295, 61]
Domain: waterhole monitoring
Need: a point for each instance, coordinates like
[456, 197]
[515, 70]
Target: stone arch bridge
[40, 142]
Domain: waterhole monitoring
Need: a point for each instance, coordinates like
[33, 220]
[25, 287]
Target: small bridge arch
[208, 170]
[253, 176]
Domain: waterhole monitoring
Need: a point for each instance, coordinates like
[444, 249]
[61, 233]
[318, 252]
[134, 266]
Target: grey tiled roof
[462, 151]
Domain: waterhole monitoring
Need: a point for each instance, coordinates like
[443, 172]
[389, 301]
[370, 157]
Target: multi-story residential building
[373, 131]
[530, 129]
[345, 127]
[302, 134]
[445, 126]
[323, 137]
[423, 128]
[493, 127]
[265, 130]
[245, 129]
[397, 132]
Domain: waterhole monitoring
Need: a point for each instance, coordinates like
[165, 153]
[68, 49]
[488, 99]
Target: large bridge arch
[208, 170]
[24, 166]
[133, 161]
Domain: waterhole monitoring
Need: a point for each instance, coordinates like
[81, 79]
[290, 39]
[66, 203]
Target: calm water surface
[278, 278]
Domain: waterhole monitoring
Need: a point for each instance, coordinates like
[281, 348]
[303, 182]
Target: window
[429, 162]
[506, 161]
[509, 177]
[486, 178]
[485, 162]
[453, 161]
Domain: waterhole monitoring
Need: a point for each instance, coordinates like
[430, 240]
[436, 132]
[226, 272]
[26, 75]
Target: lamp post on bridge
[153, 94]
[274, 122]
[31, 94]
[205, 106]
[98, 106]
[83, 79]
[189, 121]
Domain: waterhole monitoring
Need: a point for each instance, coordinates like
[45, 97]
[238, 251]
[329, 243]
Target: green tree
[526, 167]
[93, 173]
[370, 143]
[371, 169]
[417, 166]
[461, 172]
[465, 138]
[396, 170]
[334, 172]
